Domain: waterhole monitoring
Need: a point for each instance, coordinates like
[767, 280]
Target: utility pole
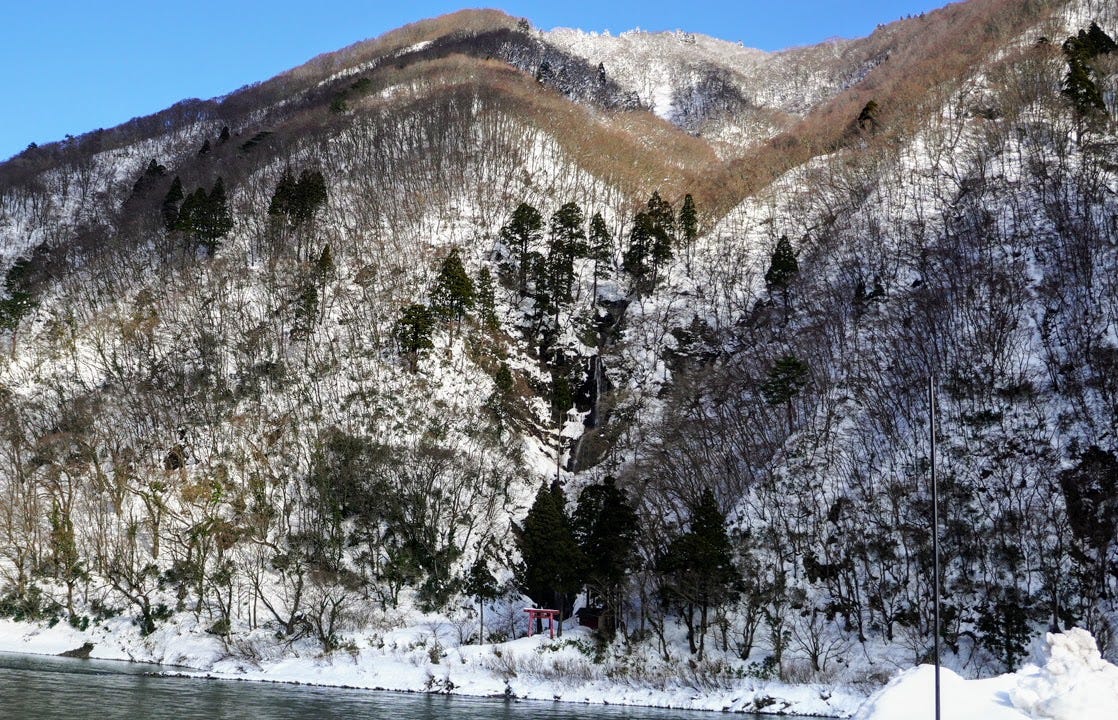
[935, 530]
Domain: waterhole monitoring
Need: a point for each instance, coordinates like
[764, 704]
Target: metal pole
[935, 530]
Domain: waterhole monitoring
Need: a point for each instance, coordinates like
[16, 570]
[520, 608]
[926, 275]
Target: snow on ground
[1075, 683]
[426, 658]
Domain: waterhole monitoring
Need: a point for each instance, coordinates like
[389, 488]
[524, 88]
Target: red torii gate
[535, 614]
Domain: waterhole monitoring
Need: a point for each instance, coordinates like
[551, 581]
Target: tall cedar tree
[487, 299]
[782, 268]
[171, 202]
[523, 231]
[698, 569]
[453, 294]
[1091, 496]
[606, 527]
[567, 242]
[413, 331]
[551, 560]
[786, 378]
[600, 250]
[688, 229]
[637, 260]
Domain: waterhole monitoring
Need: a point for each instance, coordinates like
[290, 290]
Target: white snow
[1075, 683]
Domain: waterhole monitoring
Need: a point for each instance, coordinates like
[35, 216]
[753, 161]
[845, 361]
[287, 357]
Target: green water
[49, 688]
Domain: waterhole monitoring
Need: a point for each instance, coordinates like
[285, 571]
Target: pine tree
[637, 260]
[551, 560]
[212, 220]
[783, 268]
[309, 196]
[600, 250]
[688, 229]
[487, 300]
[567, 242]
[698, 568]
[523, 231]
[283, 199]
[413, 331]
[786, 378]
[606, 528]
[453, 294]
[171, 200]
[663, 230]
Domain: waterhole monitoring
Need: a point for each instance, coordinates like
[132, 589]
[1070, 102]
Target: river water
[50, 688]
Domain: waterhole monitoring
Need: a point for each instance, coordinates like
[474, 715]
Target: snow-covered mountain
[295, 363]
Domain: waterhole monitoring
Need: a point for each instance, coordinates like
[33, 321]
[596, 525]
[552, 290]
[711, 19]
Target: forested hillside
[474, 315]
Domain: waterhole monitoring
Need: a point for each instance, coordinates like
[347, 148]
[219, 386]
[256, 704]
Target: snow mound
[1074, 684]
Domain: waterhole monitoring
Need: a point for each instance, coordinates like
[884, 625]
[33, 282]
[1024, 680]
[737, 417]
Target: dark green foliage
[688, 220]
[551, 560]
[698, 568]
[486, 299]
[299, 200]
[567, 242]
[413, 331]
[786, 378]
[650, 243]
[1004, 628]
[523, 231]
[637, 260]
[171, 200]
[606, 528]
[1080, 87]
[205, 149]
[19, 301]
[454, 294]
[224, 136]
[149, 178]
[204, 215]
[782, 267]
[600, 250]
[1090, 491]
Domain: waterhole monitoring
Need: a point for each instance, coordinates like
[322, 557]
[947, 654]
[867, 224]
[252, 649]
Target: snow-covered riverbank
[1073, 682]
[425, 658]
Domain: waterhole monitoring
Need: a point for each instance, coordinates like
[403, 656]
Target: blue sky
[71, 66]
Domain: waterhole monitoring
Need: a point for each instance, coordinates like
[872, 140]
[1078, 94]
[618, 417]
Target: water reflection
[49, 688]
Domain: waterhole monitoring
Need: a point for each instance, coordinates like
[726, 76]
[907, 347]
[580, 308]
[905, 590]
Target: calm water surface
[50, 688]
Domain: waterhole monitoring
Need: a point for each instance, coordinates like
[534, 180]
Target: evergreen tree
[224, 136]
[205, 149]
[486, 300]
[567, 242]
[663, 232]
[454, 292]
[688, 228]
[171, 200]
[309, 196]
[482, 586]
[606, 528]
[413, 331]
[283, 199]
[786, 378]
[600, 250]
[523, 231]
[698, 568]
[19, 301]
[637, 260]
[551, 560]
[782, 268]
[212, 221]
